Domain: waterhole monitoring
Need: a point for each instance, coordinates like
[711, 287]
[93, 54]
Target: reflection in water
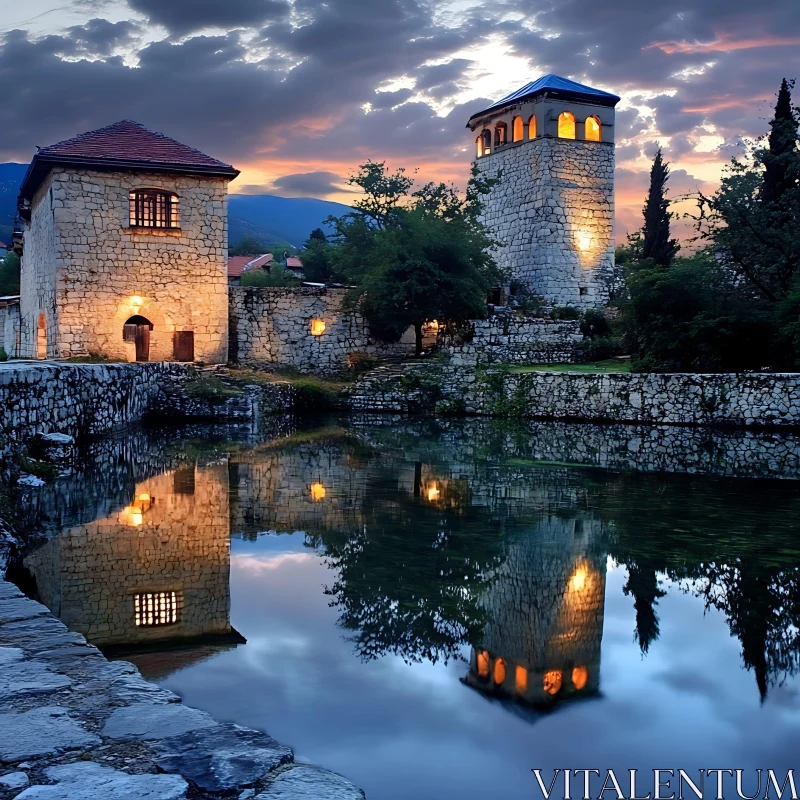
[442, 542]
[155, 571]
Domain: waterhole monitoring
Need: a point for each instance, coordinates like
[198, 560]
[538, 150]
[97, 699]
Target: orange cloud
[724, 44]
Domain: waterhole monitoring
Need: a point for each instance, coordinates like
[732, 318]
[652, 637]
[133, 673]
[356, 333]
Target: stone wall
[509, 339]
[88, 271]
[10, 328]
[553, 213]
[746, 400]
[271, 327]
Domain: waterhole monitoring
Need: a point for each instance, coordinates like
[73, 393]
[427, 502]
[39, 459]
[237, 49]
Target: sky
[296, 93]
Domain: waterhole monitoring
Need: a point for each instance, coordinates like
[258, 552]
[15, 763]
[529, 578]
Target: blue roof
[555, 84]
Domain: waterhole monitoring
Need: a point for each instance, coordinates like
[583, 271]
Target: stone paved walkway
[75, 726]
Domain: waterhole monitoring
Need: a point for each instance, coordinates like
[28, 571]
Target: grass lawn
[595, 368]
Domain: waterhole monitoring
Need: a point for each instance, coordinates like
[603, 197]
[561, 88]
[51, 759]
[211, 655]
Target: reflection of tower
[545, 609]
[156, 571]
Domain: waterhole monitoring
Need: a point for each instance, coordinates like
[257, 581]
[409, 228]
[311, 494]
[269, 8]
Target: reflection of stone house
[125, 249]
[155, 571]
[545, 607]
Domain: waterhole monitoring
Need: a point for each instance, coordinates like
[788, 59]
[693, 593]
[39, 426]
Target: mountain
[11, 176]
[271, 220]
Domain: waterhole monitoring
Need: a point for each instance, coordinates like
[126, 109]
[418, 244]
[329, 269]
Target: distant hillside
[11, 176]
[269, 219]
[272, 220]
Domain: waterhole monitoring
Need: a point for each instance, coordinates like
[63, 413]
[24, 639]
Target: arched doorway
[137, 329]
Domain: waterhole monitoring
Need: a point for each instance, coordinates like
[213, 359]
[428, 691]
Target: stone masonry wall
[511, 340]
[271, 327]
[745, 400]
[553, 213]
[89, 271]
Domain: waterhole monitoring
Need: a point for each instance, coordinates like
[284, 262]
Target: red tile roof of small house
[125, 145]
[293, 262]
[238, 264]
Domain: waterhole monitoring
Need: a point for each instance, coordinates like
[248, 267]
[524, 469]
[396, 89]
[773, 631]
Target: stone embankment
[737, 400]
[75, 726]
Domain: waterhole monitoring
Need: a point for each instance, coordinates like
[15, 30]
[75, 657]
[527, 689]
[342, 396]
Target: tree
[316, 258]
[248, 246]
[415, 257]
[9, 274]
[656, 243]
[780, 168]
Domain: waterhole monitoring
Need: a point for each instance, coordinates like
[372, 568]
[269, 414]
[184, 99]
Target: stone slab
[19, 608]
[39, 732]
[155, 721]
[14, 780]
[223, 757]
[305, 782]
[18, 678]
[89, 781]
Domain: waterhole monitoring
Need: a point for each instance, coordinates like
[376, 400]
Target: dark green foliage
[655, 242]
[277, 275]
[566, 312]
[3, 354]
[415, 257]
[248, 246]
[688, 318]
[317, 258]
[780, 163]
[9, 274]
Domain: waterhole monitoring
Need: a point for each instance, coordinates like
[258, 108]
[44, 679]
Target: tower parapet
[552, 142]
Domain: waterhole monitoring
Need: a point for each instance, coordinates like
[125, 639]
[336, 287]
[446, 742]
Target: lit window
[483, 663]
[479, 146]
[155, 608]
[487, 142]
[317, 327]
[519, 129]
[552, 681]
[499, 671]
[580, 676]
[566, 125]
[153, 208]
[593, 129]
[521, 680]
[532, 128]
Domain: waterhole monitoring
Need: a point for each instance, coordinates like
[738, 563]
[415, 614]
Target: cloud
[184, 16]
[309, 184]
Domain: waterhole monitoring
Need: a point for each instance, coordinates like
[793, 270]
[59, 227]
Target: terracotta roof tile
[292, 262]
[237, 264]
[130, 141]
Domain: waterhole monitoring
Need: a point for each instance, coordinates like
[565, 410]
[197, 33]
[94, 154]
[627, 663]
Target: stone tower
[552, 142]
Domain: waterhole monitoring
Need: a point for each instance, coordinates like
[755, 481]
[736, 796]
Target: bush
[3, 354]
[566, 312]
[278, 275]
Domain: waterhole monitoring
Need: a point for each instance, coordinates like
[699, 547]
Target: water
[434, 609]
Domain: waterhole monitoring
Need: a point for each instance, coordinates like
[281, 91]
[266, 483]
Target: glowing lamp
[432, 492]
[584, 241]
[317, 492]
[580, 676]
[317, 327]
[552, 680]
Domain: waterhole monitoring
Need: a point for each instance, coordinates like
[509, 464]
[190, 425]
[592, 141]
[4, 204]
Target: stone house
[125, 249]
[552, 141]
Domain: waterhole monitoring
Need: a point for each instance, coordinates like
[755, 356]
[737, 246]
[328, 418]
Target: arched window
[487, 142]
[566, 125]
[593, 129]
[532, 127]
[479, 146]
[500, 134]
[153, 208]
[518, 131]
[500, 671]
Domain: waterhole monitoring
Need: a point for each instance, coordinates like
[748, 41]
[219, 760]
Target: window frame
[153, 209]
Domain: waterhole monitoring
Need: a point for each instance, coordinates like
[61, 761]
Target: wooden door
[142, 339]
[183, 346]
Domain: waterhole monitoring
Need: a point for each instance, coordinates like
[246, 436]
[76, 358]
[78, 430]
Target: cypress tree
[656, 243]
[780, 166]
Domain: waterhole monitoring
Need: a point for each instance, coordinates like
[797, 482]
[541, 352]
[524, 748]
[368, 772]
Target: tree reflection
[409, 579]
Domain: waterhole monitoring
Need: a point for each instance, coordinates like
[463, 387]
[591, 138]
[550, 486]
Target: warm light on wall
[521, 680]
[499, 671]
[580, 676]
[317, 327]
[136, 302]
[482, 660]
[317, 492]
[578, 579]
[552, 680]
[584, 241]
[132, 516]
[566, 125]
[432, 492]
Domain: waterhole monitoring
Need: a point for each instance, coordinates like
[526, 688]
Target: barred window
[153, 208]
[155, 608]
